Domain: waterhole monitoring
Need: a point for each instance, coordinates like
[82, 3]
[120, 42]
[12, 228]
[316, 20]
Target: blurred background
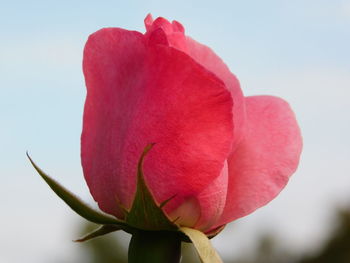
[298, 50]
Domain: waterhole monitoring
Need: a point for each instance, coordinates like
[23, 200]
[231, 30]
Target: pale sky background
[298, 50]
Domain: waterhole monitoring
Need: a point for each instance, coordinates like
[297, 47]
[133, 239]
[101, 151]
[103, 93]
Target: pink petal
[102, 75]
[265, 159]
[148, 22]
[174, 32]
[206, 57]
[139, 94]
[212, 201]
[206, 208]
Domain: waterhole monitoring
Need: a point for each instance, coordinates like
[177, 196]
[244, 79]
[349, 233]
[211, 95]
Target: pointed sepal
[205, 250]
[101, 231]
[75, 203]
[145, 213]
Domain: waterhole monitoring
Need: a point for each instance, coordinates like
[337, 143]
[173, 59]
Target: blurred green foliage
[336, 249]
[105, 249]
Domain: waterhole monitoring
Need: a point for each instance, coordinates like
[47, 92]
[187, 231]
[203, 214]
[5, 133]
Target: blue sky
[298, 50]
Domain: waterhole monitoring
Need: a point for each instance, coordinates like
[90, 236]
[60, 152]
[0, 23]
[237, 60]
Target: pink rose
[222, 155]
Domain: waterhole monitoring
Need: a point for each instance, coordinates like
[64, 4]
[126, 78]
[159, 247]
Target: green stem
[154, 247]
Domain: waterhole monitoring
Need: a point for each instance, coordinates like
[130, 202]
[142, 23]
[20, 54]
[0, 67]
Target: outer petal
[205, 209]
[138, 94]
[109, 54]
[212, 201]
[207, 58]
[267, 156]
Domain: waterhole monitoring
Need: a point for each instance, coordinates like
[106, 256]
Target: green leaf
[102, 230]
[145, 213]
[75, 203]
[205, 250]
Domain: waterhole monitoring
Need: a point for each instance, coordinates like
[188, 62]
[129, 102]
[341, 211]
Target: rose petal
[102, 75]
[173, 32]
[205, 209]
[212, 201]
[265, 159]
[207, 58]
[139, 94]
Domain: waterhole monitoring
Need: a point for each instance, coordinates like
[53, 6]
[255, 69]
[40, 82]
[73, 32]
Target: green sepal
[204, 248]
[145, 213]
[75, 203]
[101, 231]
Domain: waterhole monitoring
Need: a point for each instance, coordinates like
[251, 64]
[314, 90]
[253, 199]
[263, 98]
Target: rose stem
[154, 247]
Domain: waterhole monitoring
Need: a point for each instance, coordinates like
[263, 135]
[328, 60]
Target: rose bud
[217, 154]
